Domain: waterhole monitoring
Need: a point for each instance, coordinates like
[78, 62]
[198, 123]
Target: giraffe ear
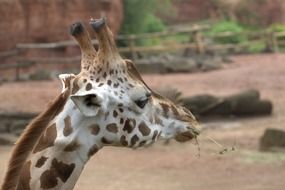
[88, 103]
[65, 80]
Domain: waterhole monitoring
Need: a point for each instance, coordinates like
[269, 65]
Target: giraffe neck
[62, 151]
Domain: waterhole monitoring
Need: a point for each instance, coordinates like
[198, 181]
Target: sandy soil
[178, 166]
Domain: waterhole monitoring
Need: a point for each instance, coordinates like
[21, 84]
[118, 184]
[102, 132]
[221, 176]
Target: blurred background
[222, 59]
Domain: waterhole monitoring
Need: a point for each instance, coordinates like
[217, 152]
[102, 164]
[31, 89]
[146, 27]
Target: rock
[272, 139]
[7, 139]
[246, 103]
[226, 58]
[209, 65]
[181, 65]
[150, 68]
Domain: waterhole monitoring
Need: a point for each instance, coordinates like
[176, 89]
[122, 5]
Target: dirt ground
[178, 166]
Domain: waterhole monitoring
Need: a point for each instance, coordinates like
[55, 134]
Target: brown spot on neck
[74, 145]
[47, 139]
[41, 161]
[95, 129]
[63, 170]
[59, 170]
[48, 179]
[112, 127]
[88, 87]
[93, 150]
[123, 140]
[106, 141]
[129, 125]
[67, 126]
[144, 129]
[134, 140]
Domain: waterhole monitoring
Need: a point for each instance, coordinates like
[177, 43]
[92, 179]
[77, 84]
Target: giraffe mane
[28, 139]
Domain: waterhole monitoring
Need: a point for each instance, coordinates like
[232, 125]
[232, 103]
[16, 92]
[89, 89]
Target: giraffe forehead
[118, 82]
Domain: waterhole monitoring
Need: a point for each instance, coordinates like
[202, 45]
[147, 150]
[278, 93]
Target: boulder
[211, 64]
[181, 65]
[272, 139]
[246, 103]
[150, 68]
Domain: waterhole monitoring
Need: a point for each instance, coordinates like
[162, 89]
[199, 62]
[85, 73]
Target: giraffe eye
[142, 102]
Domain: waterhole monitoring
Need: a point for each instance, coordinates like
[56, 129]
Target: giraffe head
[113, 98]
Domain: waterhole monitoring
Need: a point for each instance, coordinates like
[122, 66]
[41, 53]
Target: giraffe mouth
[187, 135]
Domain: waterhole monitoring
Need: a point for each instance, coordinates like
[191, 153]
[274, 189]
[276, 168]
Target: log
[249, 103]
[198, 104]
[260, 107]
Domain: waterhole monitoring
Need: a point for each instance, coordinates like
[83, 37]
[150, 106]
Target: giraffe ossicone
[106, 104]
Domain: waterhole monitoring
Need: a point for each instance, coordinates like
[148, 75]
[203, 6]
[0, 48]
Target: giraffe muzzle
[187, 135]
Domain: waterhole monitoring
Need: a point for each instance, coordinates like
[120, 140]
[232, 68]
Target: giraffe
[106, 104]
